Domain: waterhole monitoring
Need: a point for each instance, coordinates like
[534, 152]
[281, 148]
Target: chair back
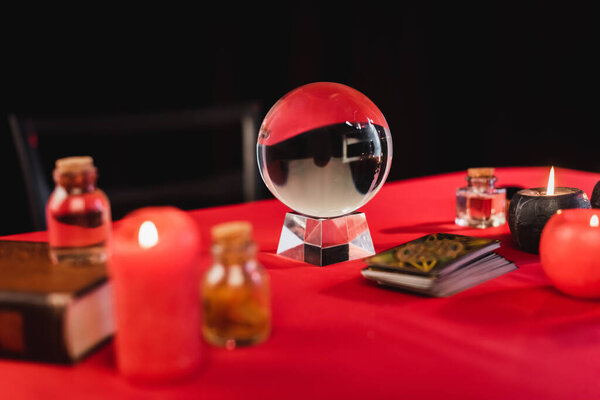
[188, 158]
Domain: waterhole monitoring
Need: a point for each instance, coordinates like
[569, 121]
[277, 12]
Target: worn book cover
[53, 313]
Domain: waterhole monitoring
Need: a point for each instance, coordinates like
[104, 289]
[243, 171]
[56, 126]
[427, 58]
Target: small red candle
[570, 252]
[156, 289]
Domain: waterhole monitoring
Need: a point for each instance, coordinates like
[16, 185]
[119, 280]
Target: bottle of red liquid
[78, 214]
[480, 204]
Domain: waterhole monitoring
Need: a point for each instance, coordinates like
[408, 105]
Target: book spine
[32, 327]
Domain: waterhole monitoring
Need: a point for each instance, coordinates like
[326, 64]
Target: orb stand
[324, 241]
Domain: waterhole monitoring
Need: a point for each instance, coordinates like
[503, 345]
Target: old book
[51, 313]
[439, 264]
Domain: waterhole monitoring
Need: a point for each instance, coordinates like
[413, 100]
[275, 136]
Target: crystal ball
[324, 149]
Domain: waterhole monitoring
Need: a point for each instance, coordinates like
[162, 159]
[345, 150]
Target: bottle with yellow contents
[235, 290]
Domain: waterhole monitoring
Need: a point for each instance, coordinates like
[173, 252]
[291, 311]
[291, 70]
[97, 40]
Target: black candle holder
[596, 196]
[530, 209]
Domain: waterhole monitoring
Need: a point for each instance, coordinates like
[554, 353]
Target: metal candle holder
[530, 210]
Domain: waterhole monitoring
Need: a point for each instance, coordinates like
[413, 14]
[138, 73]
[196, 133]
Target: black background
[490, 85]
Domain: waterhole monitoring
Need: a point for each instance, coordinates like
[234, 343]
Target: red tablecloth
[337, 335]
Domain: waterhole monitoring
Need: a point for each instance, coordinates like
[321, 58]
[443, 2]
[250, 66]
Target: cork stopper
[74, 164]
[234, 232]
[480, 172]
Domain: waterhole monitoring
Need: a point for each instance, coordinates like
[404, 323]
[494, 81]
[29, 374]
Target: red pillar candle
[570, 252]
[156, 289]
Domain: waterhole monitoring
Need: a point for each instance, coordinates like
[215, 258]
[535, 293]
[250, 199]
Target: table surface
[337, 335]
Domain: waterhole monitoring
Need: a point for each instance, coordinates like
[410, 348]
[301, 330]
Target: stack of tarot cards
[439, 264]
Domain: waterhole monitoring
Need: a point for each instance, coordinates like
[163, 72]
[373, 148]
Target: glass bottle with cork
[78, 214]
[235, 290]
[480, 204]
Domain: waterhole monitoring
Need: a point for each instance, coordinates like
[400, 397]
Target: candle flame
[550, 188]
[594, 222]
[147, 235]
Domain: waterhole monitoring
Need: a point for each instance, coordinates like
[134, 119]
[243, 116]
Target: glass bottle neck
[76, 182]
[481, 182]
[233, 254]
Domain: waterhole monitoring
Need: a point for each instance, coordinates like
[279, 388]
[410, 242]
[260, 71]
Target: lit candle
[530, 210]
[156, 288]
[570, 252]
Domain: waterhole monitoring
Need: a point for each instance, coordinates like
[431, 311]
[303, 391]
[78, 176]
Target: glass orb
[324, 149]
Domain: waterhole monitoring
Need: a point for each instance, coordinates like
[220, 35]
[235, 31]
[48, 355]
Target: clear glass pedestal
[325, 241]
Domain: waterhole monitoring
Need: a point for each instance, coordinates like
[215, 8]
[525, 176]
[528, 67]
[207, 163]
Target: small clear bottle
[235, 290]
[480, 204]
[78, 214]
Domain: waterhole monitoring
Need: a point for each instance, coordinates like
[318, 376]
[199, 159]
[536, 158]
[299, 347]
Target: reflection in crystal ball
[324, 149]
